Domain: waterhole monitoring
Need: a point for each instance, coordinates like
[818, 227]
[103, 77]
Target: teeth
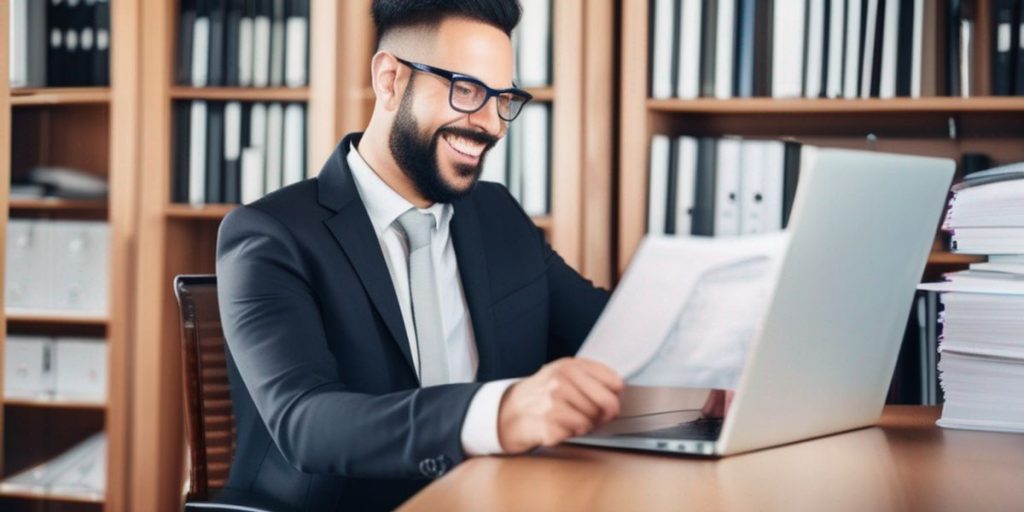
[466, 146]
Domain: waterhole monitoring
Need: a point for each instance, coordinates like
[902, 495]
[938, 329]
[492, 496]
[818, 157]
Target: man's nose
[487, 118]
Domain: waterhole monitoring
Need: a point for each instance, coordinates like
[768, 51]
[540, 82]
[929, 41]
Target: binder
[297, 31]
[232, 152]
[536, 160]
[663, 46]
[688, 61]
[1019, 78]
[277, 44]
[215, 153]
[891, 24]
[56, 21]
[704, 189]
[245, 43]
[836, 47]
[685, 181]
[725, 48]
[80, 369]
[709, 48]
[186, 36]
[788, 49]
[1004, 39]
[496, 163]
[101, 60]
[261, 44]
[727, 184]
[274, 150]
[908, 30]
[953, 48]
[181, 144]
[79, 267]
[533, 43]
[790, 178]
[252, 174]
[773, 186]
[657, 184]
[201, 45]
[29, 43]
[851, 71]
[232, 41]
[746, 42]
[294, 146]
[218, 21]
[27, 371]
[197, 153]
[871, 29]
[27, 251]
[815, 49]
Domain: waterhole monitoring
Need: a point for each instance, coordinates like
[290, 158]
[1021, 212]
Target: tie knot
[417, 227]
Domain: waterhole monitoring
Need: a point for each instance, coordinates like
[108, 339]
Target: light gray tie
[426, 313]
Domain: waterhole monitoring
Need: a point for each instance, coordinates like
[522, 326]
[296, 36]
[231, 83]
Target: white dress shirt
[479, 434]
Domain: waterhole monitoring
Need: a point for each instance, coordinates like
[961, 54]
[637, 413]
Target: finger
[597, 392]
[569, 392]
[712, 405]
[728, 401]
[574, 423]
[603, 373]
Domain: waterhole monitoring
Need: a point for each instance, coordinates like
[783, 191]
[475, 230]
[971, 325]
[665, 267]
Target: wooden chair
[209, 418]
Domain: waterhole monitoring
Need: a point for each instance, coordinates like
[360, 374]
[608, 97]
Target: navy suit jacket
[329, 411]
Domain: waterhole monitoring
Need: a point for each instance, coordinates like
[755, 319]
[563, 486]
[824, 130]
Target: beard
[417, 155]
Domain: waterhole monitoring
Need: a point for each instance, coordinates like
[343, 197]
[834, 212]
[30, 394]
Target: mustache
[476, 136]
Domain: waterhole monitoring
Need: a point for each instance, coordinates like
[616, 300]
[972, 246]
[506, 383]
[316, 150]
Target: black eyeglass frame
[452, 77]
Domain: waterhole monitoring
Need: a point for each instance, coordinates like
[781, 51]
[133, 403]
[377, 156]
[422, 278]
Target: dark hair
[391, 14]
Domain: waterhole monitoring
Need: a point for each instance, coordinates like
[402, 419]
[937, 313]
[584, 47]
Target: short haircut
[394, 14]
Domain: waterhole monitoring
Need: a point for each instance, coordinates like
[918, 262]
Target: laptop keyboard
[703, 429]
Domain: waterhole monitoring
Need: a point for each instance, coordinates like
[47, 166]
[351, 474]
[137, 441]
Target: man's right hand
[566, 398]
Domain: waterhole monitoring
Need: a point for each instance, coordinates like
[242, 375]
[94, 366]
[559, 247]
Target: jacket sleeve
[272, 324]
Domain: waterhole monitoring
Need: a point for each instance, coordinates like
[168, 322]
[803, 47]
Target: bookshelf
[91, 128]
[181, 238]
[934, 126]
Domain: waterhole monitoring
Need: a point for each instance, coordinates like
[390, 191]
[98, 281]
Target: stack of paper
[986, 214]
[80, 471]
[982, 344]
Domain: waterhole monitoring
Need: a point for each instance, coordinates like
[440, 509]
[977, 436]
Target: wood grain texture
[905, 463]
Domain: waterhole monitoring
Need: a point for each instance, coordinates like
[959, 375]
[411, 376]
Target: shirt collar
[383, 204]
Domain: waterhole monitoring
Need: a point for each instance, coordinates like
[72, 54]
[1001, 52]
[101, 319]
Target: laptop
[861, 229]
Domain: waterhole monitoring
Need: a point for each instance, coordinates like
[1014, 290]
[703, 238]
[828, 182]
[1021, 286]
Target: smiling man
[393, 316]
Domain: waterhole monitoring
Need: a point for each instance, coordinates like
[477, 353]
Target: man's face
[440, 149]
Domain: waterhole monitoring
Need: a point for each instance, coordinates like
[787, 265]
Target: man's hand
[565, 398]
[717, 404]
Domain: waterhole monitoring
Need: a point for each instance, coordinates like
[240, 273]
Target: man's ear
[388, 81]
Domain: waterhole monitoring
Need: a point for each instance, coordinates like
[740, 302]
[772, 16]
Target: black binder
[214, 153]
[180, 146]
[232, 22]
[186, 23]
[1002, 59]
[704, 189]
[217, 21]
[101, 56]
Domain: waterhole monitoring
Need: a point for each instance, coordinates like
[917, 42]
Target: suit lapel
[352, 229]
[469, 252]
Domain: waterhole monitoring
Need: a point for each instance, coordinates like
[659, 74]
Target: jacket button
[428, 468]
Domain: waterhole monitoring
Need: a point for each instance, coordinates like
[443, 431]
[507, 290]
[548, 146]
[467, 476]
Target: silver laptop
[861, 230]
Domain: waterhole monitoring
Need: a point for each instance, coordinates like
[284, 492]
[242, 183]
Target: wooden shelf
[951, 258]
[205, 212]
[48, 204]
[240, 93]
[942, 105]
[59, 96]
[55, 319]
[543, 94]
[50, 496]
[54, 403]
[544, 222]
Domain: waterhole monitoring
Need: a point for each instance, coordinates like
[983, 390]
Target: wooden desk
[906, 463]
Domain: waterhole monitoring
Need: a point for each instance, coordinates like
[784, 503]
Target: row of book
[826, 48]
[59, 43]
[80, 471]
[65, 369]
[981, 368]
[57, 267]
[522, 159]
[244, 43]
[720, 187]
[236, 152]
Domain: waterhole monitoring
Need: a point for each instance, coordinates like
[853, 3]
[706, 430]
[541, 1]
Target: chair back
[209, 419]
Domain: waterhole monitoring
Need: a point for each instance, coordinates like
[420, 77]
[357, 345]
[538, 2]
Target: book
[703, 222]
[215, 153]
[853, 60]
[201, 45]
[746, 43]
[246, 43]
[274, 147]
[261, 44]
[788, 47]
[890, 49]
[727, 187]
[708, 59]
[872, 25]
[180, 144]
[197, 153]
[533, 43]
[101, 59]
[233, 129]
[536, 161]
[813, 86]
[28, 40]
[294, 162]
[217, 13]
[1003, 42]
[277, 41]
[685, 181]
[232, 41]
[836, 47]
[725, 49]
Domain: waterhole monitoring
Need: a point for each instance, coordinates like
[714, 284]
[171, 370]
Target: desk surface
[905, 463]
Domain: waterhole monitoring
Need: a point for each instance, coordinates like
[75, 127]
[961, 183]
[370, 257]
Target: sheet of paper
[686, 310]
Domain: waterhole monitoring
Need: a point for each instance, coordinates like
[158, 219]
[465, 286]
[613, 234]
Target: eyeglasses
[467, 94]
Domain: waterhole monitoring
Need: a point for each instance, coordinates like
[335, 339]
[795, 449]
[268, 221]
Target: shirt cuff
[480, 428]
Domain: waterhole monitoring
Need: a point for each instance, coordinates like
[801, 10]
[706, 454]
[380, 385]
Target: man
[392, 316]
